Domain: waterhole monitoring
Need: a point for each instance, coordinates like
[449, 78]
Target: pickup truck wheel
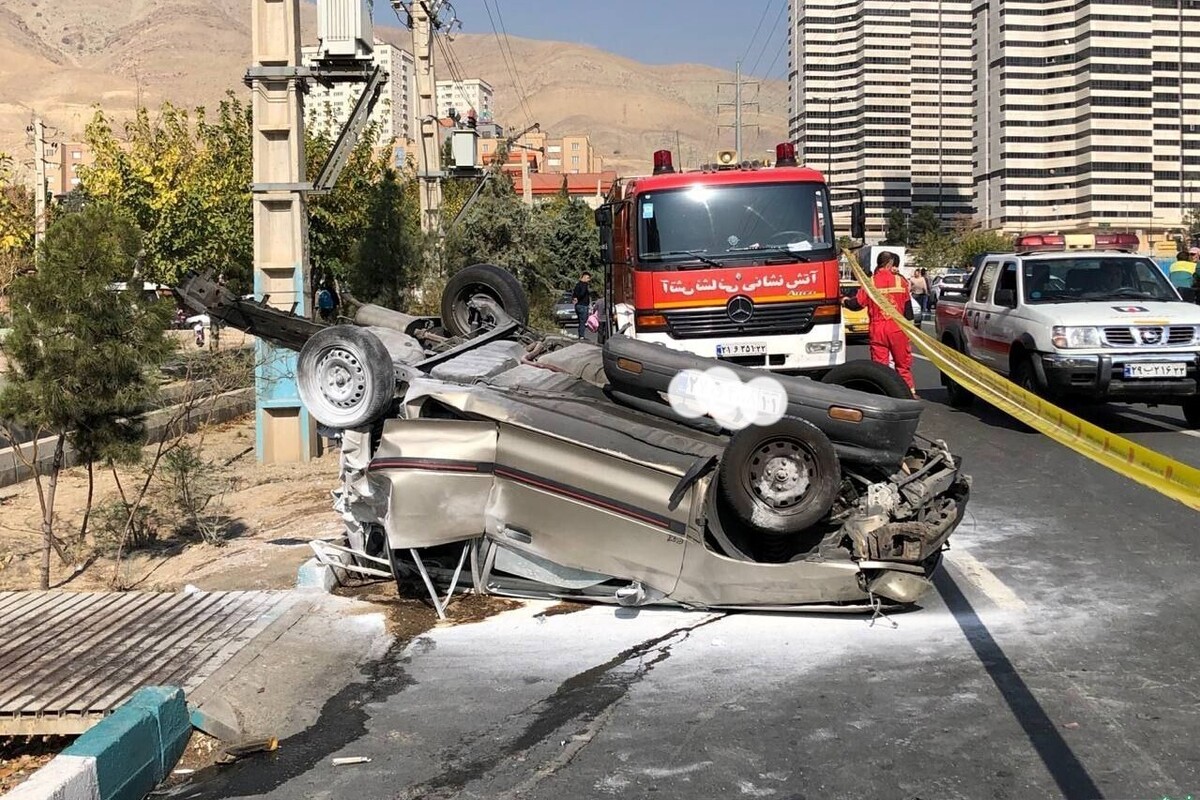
[780, 479]
[485, 280]
[1191, 411]
[956, 395]
[1024, 376]
[870, 377]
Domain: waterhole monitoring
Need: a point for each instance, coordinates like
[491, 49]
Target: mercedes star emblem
[740, 309]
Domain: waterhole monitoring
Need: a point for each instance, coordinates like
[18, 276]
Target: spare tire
[489, 281]
[346, 377]
[870, 377]
[780, 479]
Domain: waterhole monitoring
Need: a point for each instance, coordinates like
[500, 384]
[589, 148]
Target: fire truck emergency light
[662, 162]
[785, 155]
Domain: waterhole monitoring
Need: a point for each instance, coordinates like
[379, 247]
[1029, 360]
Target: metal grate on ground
[69, 658]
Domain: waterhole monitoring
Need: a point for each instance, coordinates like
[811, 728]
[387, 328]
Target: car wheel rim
[780, 474]
[463, 315]
[342, 378]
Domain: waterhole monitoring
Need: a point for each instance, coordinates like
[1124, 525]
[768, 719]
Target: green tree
[974, 243]
[16, 226]
[337, 221]
[185, 184]
[570, 243]
[936, 250]
[897, 227]
[385, 266]
[82, 356]
[924, 224]
[497, 229]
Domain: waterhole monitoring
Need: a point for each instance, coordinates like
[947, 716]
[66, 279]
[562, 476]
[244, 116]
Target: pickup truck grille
[1150, 336]
[767, 319]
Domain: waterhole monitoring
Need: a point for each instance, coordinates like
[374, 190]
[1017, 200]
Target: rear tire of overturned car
[345, 377]
[481, 280]
[870, 377]
[780, 479]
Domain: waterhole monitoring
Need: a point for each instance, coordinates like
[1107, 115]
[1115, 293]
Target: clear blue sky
[716, 32]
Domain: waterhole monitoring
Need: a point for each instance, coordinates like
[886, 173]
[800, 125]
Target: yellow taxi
[855, 323]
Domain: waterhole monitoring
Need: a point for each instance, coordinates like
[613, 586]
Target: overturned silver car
[476, 451]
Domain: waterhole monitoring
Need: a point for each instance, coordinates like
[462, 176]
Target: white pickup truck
[1093, 326]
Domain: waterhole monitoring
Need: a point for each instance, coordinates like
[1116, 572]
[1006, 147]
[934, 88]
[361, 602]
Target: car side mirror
[1006, 298]
[858, 221]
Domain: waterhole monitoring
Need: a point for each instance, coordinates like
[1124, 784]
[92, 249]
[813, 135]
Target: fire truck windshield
[732, 222]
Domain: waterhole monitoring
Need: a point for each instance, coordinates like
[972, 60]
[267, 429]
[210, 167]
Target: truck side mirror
[858, 221]
[604, 222]
[604, 216]
[1006, 298]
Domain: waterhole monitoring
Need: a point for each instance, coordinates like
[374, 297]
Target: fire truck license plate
[742, 349]
[1165, 370]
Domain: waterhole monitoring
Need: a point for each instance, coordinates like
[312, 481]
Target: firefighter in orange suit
[888, 342]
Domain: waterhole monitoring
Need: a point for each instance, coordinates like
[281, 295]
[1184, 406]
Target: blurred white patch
[719, 393]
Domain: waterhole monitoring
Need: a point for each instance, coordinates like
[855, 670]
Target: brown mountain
[61, 59]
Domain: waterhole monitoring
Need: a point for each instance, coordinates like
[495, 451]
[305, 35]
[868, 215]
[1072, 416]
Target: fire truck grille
[768, 318]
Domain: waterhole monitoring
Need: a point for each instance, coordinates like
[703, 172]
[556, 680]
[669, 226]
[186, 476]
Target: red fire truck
[736, 263]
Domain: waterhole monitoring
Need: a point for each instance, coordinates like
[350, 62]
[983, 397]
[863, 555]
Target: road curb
[123, 757]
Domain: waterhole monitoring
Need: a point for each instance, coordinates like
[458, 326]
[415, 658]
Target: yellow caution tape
[1165, 475]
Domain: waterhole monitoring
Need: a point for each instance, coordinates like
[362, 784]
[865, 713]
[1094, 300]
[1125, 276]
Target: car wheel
[486, 280]
[345, 377]
[870, 377]
[1191, 411]
[1024, 376]
[780, 479]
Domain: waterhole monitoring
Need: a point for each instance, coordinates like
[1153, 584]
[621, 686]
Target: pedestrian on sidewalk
[581, 296]
[920, 291]
[887, 340]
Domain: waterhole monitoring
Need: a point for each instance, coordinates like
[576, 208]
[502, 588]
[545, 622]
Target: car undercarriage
[477, 452]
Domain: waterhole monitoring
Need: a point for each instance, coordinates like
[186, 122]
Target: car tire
[345, 377]
[1191, 412]
[1024, 376]
[488, 280]
[870, 377]
[806, 488]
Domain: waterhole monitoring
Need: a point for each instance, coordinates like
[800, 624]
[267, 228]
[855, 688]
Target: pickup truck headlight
[1066, 338]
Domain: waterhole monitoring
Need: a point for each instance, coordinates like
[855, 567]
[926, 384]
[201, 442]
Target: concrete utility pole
[422, 16]
[737, 105]
[39, 177]
[285, 431]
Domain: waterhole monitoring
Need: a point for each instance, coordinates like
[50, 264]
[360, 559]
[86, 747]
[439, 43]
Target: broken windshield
[733, 222]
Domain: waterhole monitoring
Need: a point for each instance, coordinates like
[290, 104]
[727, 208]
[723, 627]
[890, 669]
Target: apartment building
[66, 159]
[326, 108]
[1087, 113]
[881, 99]
[571, 154]
[472, 94]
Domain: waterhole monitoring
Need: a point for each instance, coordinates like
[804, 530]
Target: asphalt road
[1058, 659]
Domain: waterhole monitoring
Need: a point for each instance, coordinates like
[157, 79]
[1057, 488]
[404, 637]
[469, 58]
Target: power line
[515, 72]
[754, 38]
[774, 27]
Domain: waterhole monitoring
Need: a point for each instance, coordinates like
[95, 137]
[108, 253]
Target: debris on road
[348, 760]
[236, 752]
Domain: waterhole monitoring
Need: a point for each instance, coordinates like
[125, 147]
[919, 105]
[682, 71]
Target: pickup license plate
[1165, 370]
[742, 349]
